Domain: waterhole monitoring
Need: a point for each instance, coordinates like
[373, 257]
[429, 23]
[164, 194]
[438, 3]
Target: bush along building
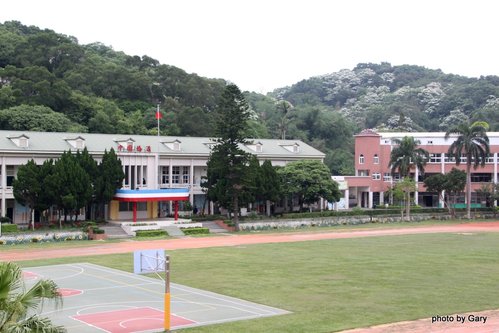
[159, 171]
[373, 178]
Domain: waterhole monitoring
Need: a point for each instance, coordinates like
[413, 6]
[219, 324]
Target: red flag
[158, 114]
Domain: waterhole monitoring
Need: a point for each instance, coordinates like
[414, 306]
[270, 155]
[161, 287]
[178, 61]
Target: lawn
[338, 284]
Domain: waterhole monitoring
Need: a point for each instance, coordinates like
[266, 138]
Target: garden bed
[45, 237]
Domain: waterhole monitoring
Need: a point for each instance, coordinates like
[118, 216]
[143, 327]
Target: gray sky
[261, 45]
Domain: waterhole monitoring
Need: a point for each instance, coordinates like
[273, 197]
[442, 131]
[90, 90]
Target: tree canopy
[472, 145]
[406, 155]
[310, 180]
[72, 182]
[228, 168]
[50, 82]
[451, 184]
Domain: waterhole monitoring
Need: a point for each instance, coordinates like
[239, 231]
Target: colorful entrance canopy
[134, 196]
[171, 194]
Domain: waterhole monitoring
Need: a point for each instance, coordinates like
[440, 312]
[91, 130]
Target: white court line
[79, 272]
[118, 287]
[79, 312]
[97, 305]
[90, 325]
[123, 323]
[205, 293]
[259, 307]
[227, 320]
[122, 273]
[262, 310]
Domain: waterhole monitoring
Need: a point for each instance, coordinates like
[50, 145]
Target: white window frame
[176, 175]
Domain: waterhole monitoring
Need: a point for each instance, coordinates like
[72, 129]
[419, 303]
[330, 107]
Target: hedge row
[151, 233]
[195, 231]
[375, 212]
[6, 228]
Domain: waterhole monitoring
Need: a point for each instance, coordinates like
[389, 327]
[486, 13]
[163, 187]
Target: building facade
[373, 176]
[149, 163]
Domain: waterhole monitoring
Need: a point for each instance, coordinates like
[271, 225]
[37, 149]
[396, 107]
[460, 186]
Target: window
[387, 177]
[376, 159]
[376, 176]
[176, 175]
[430, 142]
[489, 159]
[435, 158]
[363, 173]
[10, 175]
[23, 142]
[185, 175]
[165, 175]
[144, 175]
[481, 177]
[361, 159]
[449, 159]
[127, 173]
[126, 206]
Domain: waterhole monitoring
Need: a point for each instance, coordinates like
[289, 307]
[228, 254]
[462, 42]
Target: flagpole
[158, 116]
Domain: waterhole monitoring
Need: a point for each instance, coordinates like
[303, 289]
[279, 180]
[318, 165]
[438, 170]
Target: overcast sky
[261, 45]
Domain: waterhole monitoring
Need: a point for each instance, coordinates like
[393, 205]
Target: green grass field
[338, 284]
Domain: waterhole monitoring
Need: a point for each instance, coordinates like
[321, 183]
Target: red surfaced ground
[66, 292]
[130, 320]
[235, 240]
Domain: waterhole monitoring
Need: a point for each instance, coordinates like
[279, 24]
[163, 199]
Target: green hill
[49, 82]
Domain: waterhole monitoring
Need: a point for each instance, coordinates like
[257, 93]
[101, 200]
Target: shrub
[151, 233]
[187, 205]
[195, 231]
[98, 230]
[229, 223]
[87, 224]
[5, 219]
[6, 228]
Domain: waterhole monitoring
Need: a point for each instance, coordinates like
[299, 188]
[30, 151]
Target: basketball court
[101, 299]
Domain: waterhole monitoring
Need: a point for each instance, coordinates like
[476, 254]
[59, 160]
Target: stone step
[173, 231]
[114, 231]
[214, 228]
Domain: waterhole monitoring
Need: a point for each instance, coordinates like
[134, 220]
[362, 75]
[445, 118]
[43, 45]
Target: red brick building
[372, 170]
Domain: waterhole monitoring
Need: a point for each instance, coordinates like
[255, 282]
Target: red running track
[236, 240]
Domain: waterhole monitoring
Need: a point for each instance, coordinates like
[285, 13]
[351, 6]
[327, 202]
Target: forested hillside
[49, 82]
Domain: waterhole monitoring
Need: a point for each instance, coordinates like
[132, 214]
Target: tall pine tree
[228, 174]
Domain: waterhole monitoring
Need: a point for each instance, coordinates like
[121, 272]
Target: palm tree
[16, 302]
[405, 156]
[472, 143]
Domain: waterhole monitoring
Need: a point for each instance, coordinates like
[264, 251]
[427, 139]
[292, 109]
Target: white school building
[149, 163]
